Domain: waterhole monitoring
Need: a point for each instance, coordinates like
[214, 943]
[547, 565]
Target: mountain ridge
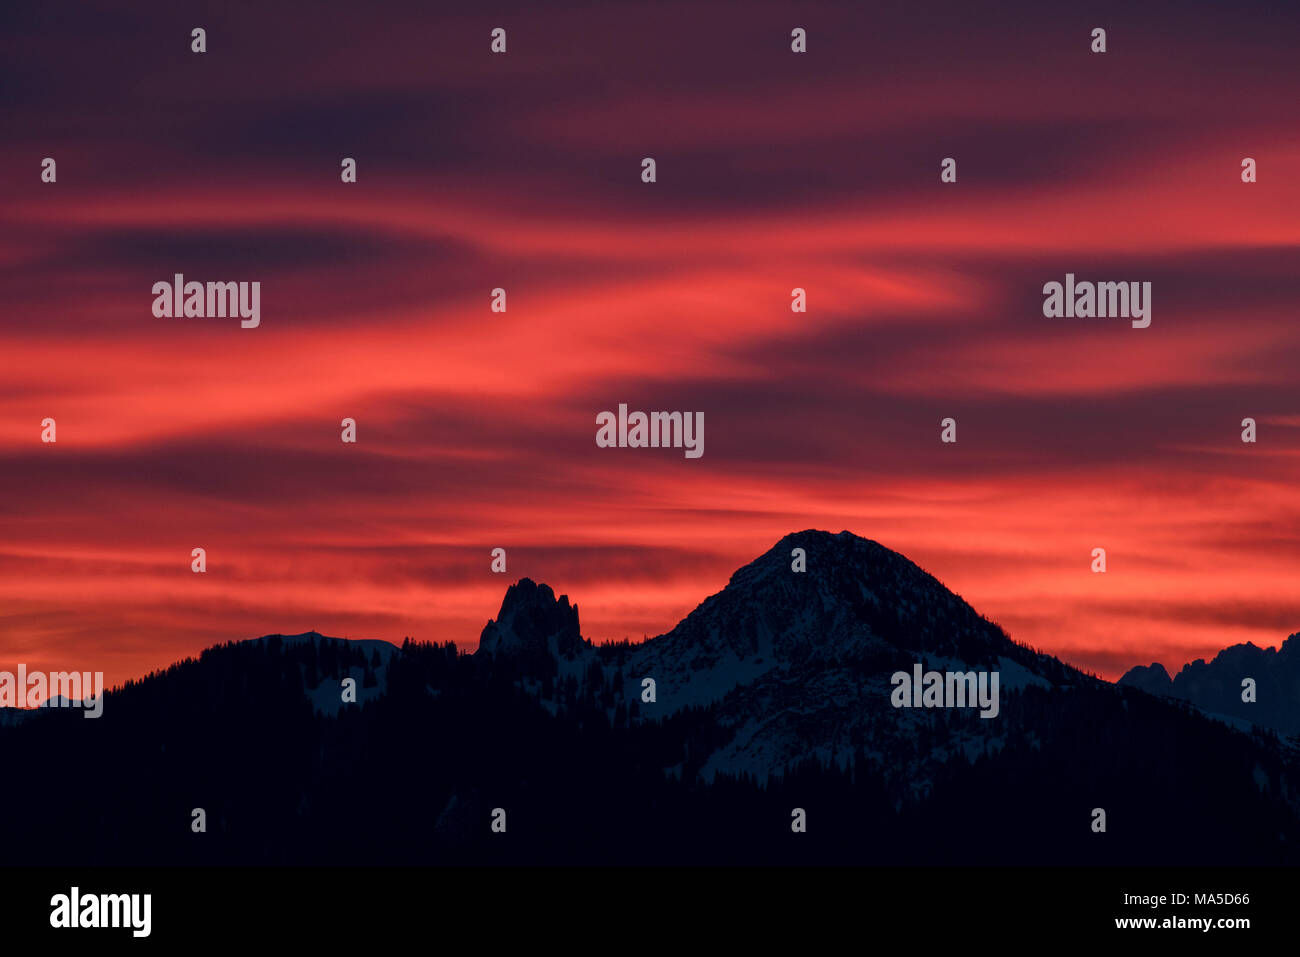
[1217, 686]
[691, 747]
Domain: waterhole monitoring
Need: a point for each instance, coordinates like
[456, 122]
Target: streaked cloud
[477, 429]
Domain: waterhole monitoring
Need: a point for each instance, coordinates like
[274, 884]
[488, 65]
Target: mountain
[775, 696]
[795, 666]
[1151, 678]
[795, 662]
[856, 602]
[1216, 687]
[533, 627]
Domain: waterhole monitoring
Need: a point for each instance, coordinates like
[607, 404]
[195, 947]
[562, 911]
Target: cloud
[476, 428]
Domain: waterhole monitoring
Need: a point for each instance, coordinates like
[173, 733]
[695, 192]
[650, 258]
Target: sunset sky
[775, 170]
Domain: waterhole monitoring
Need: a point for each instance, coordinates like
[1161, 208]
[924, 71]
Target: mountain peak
[836, 546]
[827, 557]
[816, 599]
[532, 625]
[1152, 678]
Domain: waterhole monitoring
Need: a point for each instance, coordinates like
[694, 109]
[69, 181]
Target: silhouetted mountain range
[1217, 687]
[773, 695]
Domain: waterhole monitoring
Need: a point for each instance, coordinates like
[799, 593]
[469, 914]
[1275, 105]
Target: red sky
[476, 429]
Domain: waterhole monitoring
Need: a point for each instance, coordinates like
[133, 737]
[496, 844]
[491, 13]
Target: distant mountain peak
[835, 556]
[820, 606]
[831, 548]
[1216, 686]
[841, 590]
[532, 625]
[1152, 678]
